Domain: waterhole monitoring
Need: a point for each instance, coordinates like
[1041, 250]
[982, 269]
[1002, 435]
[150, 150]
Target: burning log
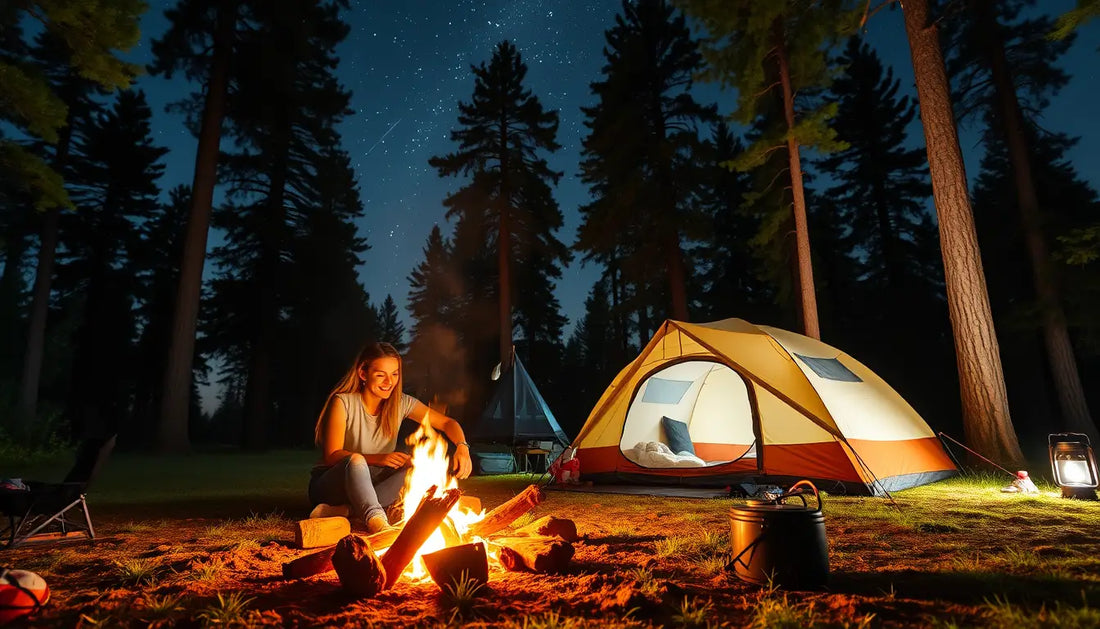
[550, 526]
[534, 554]
[450, 565]
[321, 561]
[429, 515]
[359, 568]
[470, 503]
[318, 532]
[506, 513]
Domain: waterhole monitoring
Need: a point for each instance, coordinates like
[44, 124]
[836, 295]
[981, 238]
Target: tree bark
[1060, 354]
[810, 326]
[27, 409]
[172, 435]
[986, 419]
[36, 328]
[504, 254]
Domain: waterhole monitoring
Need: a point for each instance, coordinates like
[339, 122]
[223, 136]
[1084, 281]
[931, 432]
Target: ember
[436, 519]
[431, 469]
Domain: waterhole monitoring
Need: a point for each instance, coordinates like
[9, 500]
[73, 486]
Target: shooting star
[392, 126]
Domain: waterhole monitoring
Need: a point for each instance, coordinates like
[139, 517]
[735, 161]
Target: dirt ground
[939, 559]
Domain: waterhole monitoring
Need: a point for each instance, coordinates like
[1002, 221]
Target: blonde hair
[389, 413]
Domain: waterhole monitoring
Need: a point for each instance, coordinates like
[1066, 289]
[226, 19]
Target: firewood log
[429, 515]
[318, 532]
[358, 567]
[506, 513]
[473, 503]
[550, 526]
[534, 554]
[320, 561]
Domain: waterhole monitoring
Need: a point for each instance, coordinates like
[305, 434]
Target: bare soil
[953, 556]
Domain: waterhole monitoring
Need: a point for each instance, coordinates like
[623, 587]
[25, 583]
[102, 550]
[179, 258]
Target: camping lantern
[1073, 464]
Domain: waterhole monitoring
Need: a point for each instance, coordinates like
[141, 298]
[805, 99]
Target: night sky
[407, 65]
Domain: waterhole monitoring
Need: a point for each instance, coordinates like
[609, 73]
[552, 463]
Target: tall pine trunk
[27, 410]
[36, 328]
[1060, 355]
[808, 298]
[504, 252]
[986, 419]
[172, 435]
[676, 274]
[257, 394]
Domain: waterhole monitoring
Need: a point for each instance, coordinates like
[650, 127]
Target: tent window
[661, 391]
[830, 369]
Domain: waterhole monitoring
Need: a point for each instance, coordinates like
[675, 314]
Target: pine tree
[114, 186]
[201, 41]
[733, 283]
[436, 366]
[393, 330]
[991, 71]
[1075, 18]
[282, 116]
[90, 31]
[1069, 204]
[504, 133]
[639, 160]
[158, 278]
[759, 47]
[986, 419]
[889, 239]
[66, 79]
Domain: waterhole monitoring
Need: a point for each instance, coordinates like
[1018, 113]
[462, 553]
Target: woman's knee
[355, 459]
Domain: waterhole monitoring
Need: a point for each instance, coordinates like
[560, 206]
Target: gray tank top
[362, 434]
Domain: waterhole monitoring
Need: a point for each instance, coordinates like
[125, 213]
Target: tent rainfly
[712, 404]
[517, 414]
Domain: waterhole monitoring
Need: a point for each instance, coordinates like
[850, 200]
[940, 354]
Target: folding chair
[55, 507]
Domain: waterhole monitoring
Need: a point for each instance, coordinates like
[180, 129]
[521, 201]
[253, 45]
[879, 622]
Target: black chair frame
[55, 507]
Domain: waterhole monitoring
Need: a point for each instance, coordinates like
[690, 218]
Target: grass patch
[1000, 614]
[137, 571]
[226, 611]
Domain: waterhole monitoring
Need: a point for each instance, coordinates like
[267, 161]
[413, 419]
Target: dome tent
[742, 402]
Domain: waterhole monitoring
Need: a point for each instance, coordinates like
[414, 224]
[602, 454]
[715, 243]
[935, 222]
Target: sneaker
[328, 511]
[377, 523]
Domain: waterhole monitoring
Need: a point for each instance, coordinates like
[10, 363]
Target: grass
[226, 611]
[199, 540]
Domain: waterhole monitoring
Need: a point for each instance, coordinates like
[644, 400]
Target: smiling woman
[363, 465]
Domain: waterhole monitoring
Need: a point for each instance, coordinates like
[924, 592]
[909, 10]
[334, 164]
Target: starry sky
[407, 65]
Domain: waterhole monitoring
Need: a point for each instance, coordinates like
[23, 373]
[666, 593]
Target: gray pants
[366, 489]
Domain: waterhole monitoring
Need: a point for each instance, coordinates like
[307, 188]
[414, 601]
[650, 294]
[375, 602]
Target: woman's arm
[333, 428]
[448, 426]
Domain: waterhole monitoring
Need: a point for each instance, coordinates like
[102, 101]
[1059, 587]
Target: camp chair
[47, 507]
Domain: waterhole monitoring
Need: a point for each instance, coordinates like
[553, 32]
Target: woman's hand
[462, 463]
[393, 459]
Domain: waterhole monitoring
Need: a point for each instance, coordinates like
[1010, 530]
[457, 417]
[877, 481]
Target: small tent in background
[517, 418]
[716, 403]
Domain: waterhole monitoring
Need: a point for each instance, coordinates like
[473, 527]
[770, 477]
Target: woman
[361, 464]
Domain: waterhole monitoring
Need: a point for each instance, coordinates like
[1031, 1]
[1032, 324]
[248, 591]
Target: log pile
[545, 545]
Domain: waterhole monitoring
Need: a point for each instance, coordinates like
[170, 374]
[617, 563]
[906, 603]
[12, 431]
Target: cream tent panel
[758, 354]
[679, 386]
[782, 425]
[722, 410]
[870, 409]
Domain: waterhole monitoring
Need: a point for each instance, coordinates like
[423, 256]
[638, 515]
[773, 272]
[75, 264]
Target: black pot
[781, 544]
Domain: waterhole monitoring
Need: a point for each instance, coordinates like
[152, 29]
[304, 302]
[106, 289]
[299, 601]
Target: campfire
[441, 523]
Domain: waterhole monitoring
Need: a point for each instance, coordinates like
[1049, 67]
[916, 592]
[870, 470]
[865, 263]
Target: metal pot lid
[775, 508]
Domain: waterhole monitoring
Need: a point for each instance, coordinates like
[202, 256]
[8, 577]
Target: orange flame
[431, 467]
